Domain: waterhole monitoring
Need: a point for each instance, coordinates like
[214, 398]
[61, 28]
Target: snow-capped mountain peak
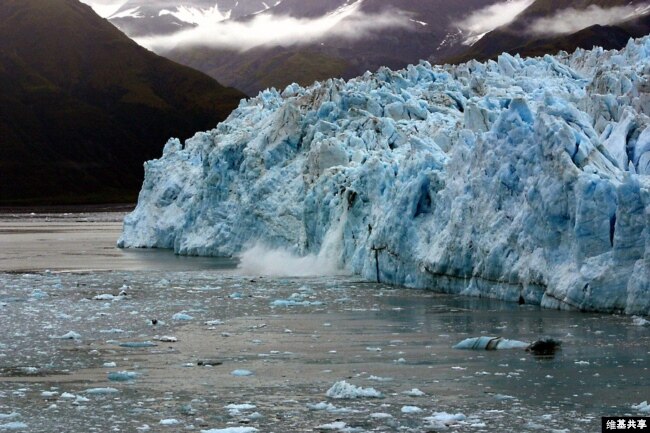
[197, 16]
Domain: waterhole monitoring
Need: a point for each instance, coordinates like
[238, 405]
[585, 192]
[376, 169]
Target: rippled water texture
[230, 350]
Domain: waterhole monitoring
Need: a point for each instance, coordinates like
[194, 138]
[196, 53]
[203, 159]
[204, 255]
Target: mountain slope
[425, 25]
[82, 106]
[517, 38]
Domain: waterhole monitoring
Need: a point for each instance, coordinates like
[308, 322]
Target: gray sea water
[77, 356]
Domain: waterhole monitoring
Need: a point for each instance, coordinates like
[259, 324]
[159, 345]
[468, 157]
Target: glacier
[522, 179]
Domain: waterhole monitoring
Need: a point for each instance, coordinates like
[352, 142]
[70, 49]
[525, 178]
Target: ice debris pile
[519, 179]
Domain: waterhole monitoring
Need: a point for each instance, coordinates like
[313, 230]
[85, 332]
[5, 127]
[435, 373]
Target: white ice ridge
[520, 179]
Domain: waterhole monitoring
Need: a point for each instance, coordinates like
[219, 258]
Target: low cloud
[198, 16]
[105, 8]
[271, 30]
[572, 20]
[489, 18]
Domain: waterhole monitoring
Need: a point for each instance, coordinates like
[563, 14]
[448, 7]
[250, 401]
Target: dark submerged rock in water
[544, 347]
[209, 362]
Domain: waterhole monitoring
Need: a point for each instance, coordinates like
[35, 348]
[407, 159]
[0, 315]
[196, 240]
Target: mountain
[525, 179]
[144, 17]
[526, 35]
[363, 35]
[82, 106]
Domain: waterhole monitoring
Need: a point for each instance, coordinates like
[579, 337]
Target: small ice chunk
[169, 421]
[168, 339]
[243, 406]
[69, 336]
[104, 297]
[99, 391]
[137, 344]
[182, 317]
[39, 294]
[642, 407]
[337, 425]
[442, 419]
[68, 395]
[380, 415]
[380, 379]
[11, 415]
[344, 390]
[321, 406]
[640, 321]
[490, 343]
[214, 322]
[45, 394]
[414, 393]
[110, 365]
[412, 409]
[512, 344]
[15, 425]
[231, 430]
[237, 409]
[188, 410]
[122, 376]
[295, 300]
[241, 373]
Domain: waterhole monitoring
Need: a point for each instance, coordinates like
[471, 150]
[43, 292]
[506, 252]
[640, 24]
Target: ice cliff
[520, 179]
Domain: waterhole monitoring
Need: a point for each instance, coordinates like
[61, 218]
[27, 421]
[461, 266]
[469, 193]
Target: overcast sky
[212, 29]
[105, 8]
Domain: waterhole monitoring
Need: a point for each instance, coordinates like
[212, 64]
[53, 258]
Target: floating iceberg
[122, 376]
[490, 343]
[169, 421]
[68, 336]
[411, 409]
[345, 390]
[182, 317]
[642, 407]
[100, 391]
[15, 425]
[441, 420]
[519, 179]
[232, 430]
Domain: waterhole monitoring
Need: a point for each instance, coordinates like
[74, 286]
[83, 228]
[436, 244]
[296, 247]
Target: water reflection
[165, 260]
[601, 363]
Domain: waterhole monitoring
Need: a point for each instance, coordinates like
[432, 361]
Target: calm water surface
[295, 336]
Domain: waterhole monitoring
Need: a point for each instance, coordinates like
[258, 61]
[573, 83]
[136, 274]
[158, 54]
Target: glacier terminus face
[520, 179]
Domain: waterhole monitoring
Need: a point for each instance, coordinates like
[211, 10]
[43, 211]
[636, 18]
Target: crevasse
[521, 179]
